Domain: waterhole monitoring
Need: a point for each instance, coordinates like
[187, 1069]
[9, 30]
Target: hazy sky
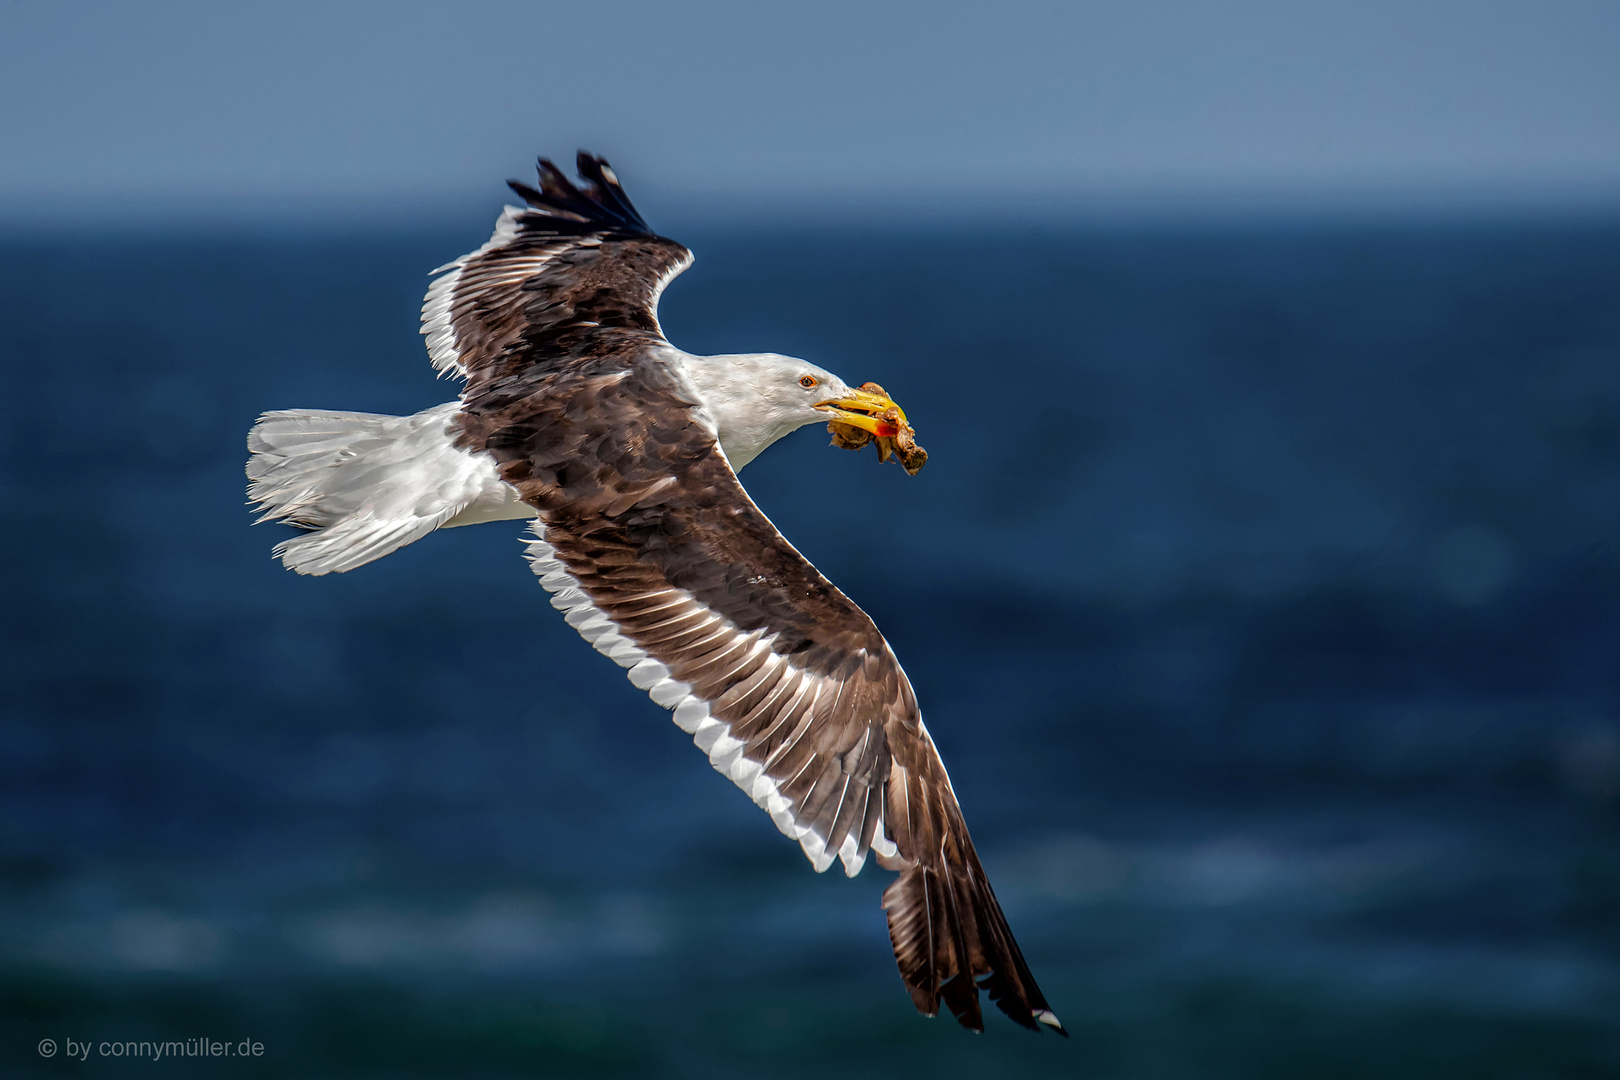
[331, 102]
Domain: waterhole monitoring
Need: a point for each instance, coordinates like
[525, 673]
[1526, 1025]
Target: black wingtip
[599, 205]
[525, 192]
[930, 917]
[602, 183]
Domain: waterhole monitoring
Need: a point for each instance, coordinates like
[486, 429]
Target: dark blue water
[1262, 592]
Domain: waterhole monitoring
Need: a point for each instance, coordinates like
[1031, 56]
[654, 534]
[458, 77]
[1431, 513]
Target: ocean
[1262, 593]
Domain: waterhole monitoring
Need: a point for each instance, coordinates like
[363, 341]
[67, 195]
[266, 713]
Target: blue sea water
[1262, 593]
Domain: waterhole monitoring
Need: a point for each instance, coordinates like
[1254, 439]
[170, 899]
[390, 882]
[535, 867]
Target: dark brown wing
[656, 555]
[654, 552]
[950, 937]
[573, 272]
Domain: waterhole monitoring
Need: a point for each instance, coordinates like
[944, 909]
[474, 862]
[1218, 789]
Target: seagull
[577, 415]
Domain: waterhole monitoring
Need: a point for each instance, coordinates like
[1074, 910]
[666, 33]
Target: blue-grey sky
[333, 102]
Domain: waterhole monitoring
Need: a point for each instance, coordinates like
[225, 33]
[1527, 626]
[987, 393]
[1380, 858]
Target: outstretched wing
[573, 272]
[657, 556]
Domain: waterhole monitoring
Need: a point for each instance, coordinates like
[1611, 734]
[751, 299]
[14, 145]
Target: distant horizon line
[1147, 206]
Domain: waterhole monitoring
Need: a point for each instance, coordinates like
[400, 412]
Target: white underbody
[365, 484]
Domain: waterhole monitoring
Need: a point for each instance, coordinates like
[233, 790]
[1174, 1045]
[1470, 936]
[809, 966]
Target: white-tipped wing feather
[731, 647]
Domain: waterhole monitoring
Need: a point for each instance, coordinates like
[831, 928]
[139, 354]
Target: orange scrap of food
[897, 440]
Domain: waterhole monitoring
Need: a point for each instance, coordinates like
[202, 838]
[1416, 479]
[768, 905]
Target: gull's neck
[745, 421]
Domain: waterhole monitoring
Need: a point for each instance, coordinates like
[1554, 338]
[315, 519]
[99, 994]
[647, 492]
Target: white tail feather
[367, 484]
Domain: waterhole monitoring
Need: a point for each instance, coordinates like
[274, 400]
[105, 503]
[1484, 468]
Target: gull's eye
[809, 382]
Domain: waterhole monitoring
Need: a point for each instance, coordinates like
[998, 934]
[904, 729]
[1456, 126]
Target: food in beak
[880, 420]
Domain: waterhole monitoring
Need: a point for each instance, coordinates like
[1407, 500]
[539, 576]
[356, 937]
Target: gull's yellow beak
[869, 409]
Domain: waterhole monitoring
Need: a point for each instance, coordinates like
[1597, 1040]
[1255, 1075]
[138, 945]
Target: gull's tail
[366, 484]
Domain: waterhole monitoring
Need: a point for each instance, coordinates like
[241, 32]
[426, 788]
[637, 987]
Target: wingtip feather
[1049, 1019]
